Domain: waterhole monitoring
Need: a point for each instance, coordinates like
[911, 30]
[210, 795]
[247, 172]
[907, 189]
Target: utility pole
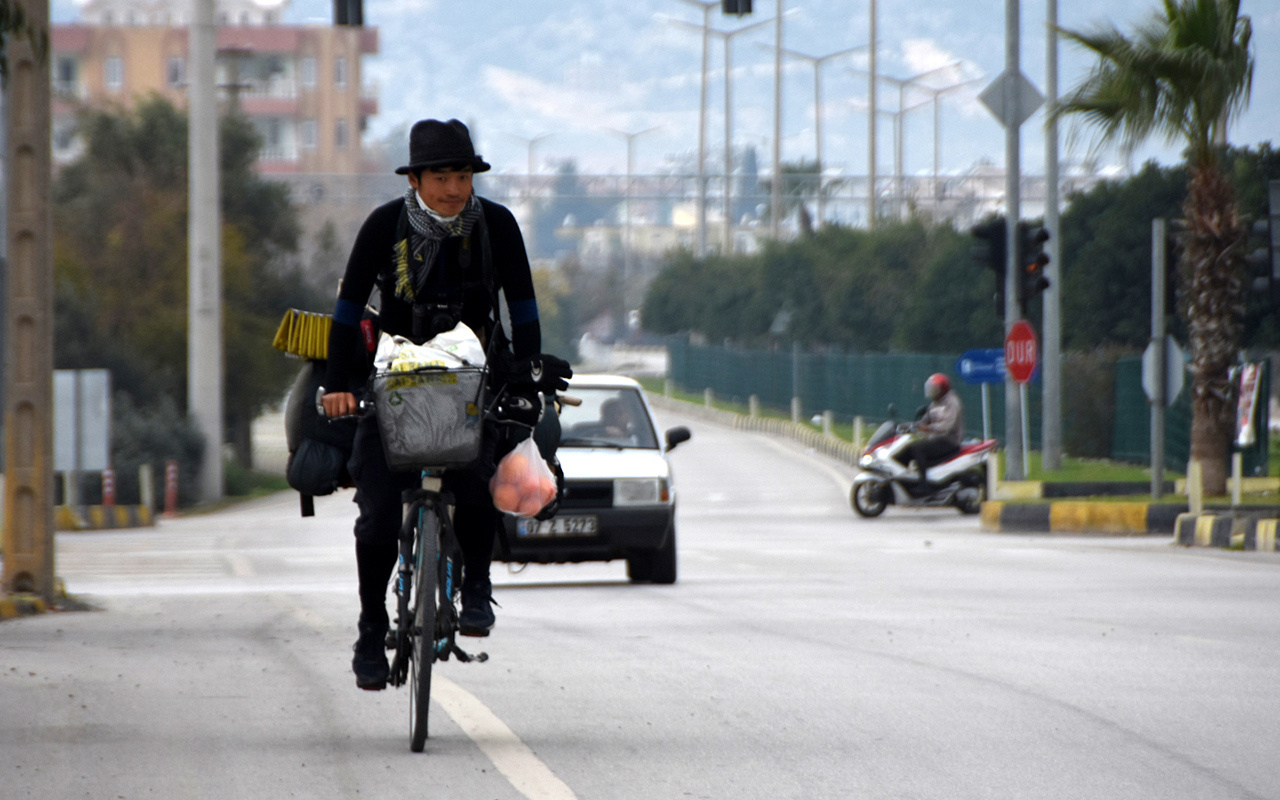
[28, 400]
[1012, 99]
[775, 199]
[706, 6]
[817, 62]
[1015, 464]
[1051, 369]
[204, 256]
[872, 111]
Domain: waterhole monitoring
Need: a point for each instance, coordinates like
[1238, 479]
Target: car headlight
[640, 492]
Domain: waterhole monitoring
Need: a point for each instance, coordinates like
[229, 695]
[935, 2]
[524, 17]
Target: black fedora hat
[436, 145]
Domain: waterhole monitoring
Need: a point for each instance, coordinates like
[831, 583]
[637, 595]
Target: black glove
[545, 371]
[521, 404]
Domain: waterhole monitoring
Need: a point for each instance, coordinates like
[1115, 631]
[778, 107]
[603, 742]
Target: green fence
[865, 385]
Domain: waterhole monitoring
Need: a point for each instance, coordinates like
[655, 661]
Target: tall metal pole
[28, 320]
[872, 111]
[775, 199]
[701, 232]
[627, 269]
[702, 133]
[204, 257]
[1051, 368]
[817, 62]
[1015, 464]
[1159, 242]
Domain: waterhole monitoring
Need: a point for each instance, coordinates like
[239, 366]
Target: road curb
[21, 605]
[1085, 517]
[92, 518]
[1228, 530]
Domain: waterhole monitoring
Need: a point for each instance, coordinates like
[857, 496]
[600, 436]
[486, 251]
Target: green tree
[1185, 74]
[1106, 257]
[121, 267]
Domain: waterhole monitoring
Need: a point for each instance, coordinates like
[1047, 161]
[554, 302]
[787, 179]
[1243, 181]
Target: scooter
[959, 481]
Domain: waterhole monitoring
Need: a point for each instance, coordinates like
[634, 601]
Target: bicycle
[428, 586]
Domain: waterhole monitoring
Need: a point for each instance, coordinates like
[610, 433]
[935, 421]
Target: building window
[65, 75]
[307, 70]
[340, 72]
[175, 72]
[340, 134]
[307, 134]
[113, 72]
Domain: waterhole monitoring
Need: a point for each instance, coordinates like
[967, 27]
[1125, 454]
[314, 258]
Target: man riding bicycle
[438, 256]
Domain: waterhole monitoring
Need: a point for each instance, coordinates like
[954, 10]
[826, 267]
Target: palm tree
[1185, 74]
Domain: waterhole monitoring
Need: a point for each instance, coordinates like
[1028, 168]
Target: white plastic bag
[523, 484]
[451, 349]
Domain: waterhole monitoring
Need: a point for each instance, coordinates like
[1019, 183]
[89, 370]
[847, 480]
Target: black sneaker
[477, 617]
[370, 661]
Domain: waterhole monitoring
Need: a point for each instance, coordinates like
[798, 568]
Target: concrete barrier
[92, 518]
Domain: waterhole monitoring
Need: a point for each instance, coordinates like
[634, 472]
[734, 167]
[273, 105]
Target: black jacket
[372, 263]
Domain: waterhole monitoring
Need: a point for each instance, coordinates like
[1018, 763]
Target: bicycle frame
[427, 589]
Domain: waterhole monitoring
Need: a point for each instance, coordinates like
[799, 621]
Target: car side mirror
[677, 435]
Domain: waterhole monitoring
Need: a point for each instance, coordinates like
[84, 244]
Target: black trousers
[932, 450]
[379, 493]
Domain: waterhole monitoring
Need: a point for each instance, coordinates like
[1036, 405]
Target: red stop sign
[1020, 351]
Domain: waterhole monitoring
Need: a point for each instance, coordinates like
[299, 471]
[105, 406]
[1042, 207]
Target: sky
[582, 73]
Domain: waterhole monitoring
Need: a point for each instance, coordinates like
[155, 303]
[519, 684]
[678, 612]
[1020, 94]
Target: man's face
[444, 191]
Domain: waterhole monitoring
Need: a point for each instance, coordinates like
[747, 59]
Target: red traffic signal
[1032, 259]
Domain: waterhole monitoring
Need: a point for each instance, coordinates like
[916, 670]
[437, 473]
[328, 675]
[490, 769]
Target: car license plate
[571, 525]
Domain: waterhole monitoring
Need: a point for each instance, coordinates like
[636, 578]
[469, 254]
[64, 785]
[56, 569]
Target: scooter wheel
[870, 498]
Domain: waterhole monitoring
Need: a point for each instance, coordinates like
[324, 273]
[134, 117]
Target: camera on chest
[432, 318]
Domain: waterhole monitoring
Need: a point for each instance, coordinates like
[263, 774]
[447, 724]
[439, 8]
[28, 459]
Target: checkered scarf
[429, 231]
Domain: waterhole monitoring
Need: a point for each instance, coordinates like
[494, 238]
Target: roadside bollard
[108, 487]
[171, 488]
[146, 486]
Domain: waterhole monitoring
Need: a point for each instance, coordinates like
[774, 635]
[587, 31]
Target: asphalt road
[805, 653]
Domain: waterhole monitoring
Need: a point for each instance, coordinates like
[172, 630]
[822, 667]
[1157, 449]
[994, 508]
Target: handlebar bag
[429, 417]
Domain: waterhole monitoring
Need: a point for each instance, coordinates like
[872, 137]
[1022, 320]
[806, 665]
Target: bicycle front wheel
[424, 625]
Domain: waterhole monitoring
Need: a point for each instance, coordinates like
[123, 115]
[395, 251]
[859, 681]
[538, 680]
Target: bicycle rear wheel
[424, 627]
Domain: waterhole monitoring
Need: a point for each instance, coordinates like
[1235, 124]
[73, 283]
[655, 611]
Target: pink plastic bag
[523, 484]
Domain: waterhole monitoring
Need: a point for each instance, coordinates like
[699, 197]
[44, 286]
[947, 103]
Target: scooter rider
[942, 426]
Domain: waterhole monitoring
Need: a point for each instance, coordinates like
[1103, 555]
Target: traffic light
[990, 251]
[738, 7]
[1032, 259]
[348, 12]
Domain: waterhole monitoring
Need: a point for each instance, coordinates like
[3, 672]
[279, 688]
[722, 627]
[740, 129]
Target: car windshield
[608, 417]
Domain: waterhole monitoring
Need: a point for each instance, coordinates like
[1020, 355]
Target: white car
[619, 498]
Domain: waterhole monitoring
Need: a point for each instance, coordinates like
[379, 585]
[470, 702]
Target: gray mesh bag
[429, 417]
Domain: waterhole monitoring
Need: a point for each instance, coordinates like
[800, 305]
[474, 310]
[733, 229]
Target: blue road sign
[982, 366]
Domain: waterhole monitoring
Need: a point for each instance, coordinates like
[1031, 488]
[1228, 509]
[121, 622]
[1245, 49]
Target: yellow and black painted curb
[1066, 516]
[92, 518]
[21, 605]
[1227, 530]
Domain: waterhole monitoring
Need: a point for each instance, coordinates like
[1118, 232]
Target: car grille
[587, 494]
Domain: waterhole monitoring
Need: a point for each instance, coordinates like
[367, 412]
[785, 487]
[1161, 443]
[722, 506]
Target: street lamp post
[706, 6]
[630, 138]
[531, 142]
[898, 133]
[937, 124]
[817, 62]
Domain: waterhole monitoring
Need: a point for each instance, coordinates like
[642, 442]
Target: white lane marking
[241, 566]
[512, 757]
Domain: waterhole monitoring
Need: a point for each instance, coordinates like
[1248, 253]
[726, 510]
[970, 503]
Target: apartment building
[301, 85]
